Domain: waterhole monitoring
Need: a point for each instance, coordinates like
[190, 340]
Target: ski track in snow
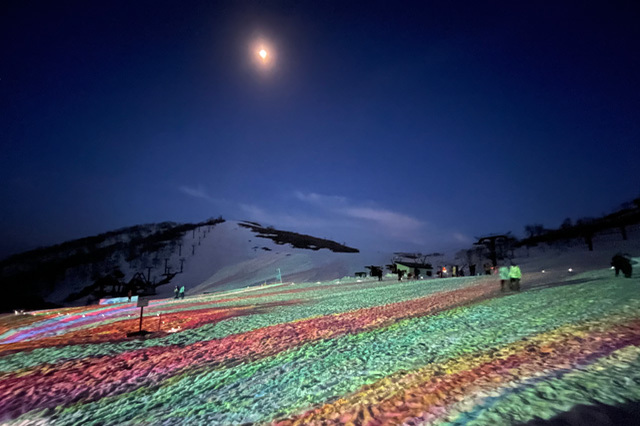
[438, 351]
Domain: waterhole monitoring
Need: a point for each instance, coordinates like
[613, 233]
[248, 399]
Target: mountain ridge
[81, 271]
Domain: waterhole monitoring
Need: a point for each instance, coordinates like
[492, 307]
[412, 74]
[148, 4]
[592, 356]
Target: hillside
[440, 351]
[217, 255]
[150, 259]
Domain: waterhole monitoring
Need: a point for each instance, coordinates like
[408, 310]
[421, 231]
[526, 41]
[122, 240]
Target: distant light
[613, 267]
[570, 269]
[543, 271]
[264, 53]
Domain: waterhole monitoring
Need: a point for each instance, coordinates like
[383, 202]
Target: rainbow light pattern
[442, 351]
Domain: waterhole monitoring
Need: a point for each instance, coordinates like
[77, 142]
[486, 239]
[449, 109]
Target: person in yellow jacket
[515, 275]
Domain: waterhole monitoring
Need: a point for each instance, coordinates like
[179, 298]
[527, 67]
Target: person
[176, 292]
[487, 269]
[130, 293]
[504, 277]
[621, 262]
[182, 292]
[378, 274]
[515, 275]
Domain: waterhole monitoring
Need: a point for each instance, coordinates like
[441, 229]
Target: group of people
[510, 275]
[179, 292]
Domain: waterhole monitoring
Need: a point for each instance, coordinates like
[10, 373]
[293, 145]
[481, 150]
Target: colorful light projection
[427, 352]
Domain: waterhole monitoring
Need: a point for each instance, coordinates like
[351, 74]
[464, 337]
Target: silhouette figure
[622, 262]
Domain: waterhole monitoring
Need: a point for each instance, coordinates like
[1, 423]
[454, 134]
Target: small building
[421, 269]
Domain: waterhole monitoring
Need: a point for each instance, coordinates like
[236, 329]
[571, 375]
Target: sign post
[142, 302]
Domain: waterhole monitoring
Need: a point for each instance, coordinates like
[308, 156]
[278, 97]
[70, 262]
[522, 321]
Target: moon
[263, 54]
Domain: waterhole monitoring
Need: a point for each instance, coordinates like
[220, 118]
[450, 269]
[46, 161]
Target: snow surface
[231, 256]
[228, 256]
[346, 351]
[226, 260]
[222, 257]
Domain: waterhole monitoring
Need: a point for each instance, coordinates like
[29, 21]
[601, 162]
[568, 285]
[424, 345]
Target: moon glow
[263, 54]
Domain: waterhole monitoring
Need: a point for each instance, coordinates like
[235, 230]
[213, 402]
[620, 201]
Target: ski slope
[438, 351]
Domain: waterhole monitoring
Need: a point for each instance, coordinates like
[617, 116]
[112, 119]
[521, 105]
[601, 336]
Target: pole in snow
[141, 309]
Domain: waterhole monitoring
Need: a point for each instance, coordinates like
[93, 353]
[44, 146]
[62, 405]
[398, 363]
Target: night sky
[389, 125]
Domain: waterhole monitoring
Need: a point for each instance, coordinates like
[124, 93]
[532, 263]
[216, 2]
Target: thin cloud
[256, 214]
[461, 238]
[197, 192]
[301, 221]
[385, 217]
[392, 224]
[327, 201]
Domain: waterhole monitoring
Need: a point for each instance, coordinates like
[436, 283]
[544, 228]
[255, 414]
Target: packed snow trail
[429, 352]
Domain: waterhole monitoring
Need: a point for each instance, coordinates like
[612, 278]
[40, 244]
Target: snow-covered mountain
[205, 257]
[231, 255]
[218, 255]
